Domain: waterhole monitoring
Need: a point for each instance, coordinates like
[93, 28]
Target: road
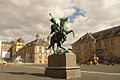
[36, 72]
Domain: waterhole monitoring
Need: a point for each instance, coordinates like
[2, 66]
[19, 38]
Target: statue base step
[65, 73]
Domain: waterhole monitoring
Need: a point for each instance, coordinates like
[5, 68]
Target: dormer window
[87, 37]
[113, 32]
[119, 32]
[82, 38]
[101, 35]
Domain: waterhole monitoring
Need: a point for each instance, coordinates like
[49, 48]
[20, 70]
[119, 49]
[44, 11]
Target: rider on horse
[59, 32]
[55, 26]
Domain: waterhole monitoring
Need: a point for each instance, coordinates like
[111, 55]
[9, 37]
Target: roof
[107, 33]
[100, 35]
[37, 42]
[20, 40]
[6, 43]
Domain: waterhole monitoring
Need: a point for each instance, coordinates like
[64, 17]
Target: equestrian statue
[59, 32]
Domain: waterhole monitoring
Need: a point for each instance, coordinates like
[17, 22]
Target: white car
[3, 62]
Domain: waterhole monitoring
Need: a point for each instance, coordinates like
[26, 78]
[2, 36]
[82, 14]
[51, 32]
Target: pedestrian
[111, 62]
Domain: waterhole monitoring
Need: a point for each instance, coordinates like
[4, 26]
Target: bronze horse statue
[60, 36]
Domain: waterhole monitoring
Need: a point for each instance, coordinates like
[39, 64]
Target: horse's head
[63, 21]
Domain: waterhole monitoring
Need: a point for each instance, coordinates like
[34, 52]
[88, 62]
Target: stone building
[103, 44]
[17, 45]
[35, 51]
[5, 50]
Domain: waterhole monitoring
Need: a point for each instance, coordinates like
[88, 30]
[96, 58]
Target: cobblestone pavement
[36, 72]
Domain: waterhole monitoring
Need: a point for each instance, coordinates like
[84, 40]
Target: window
[111, 42]
[76, 47]
[40, 48]
[105, 43]
[99, 44]
[46, 55]
[79, 47]
[40, 55]
[87, 45]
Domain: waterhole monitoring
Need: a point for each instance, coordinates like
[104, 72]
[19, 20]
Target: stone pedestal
[62, 66]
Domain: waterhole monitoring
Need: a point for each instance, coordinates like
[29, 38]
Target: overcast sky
[26, 18]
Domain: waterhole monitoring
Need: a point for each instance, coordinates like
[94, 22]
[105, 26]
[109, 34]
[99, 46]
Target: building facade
[103, 44]
[35, 51]
[5, 50]
[17, 45]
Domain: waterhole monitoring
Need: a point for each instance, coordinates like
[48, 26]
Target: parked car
[3, 62]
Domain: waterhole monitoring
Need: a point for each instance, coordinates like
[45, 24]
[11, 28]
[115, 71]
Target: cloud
[99, 15]
[22, 3]
[26, 18]
[29, 17]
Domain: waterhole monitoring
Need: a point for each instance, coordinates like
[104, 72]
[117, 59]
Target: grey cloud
[26, 18]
